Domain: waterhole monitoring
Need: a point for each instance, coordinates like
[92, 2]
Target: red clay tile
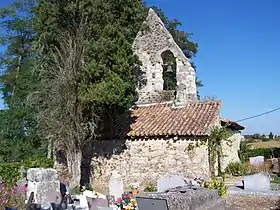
[194, 119]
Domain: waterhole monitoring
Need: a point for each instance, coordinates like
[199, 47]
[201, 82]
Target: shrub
[12, 196]
[217, 185]
[274, 179]
[9, 172]
[150, 188]
[237, 169]
[245, 152]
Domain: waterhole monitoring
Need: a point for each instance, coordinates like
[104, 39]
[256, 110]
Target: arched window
[169, 70]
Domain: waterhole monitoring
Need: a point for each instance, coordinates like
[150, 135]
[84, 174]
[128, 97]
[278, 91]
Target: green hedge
[9, 172]
[245, 152]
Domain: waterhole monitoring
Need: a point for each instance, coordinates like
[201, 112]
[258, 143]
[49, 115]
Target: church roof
[231, 124]
[194, 119]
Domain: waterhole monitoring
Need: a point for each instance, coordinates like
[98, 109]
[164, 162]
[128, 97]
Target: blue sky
[239, 43]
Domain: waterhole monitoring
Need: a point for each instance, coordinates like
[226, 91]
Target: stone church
[152, 140]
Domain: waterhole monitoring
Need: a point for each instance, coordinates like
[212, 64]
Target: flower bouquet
[126, 202]
[134, 188]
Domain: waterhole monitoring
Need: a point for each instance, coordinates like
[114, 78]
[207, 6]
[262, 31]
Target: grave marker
[151, 203]
[166, 183]
[257, 183]
[43, 182]
[258, 160]
[116, 185]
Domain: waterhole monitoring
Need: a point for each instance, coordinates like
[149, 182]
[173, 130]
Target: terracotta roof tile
[194, 119]
[231, 124]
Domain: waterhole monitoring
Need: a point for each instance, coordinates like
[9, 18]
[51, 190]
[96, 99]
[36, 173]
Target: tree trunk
[50, 148]
[211, 159]
[219, 158]
[74, 159]
[219, 155]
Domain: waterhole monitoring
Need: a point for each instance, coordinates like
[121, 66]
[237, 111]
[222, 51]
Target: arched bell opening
[169, 71]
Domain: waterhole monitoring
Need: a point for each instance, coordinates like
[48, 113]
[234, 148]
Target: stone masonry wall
[149, 45]
[230, 152]
[145, 161]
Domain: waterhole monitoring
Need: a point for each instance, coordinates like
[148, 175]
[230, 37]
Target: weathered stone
[166, 183]
[42, 175]
[199, 199]
[258, 160]
[44, 184]
[149, 45]
[257, 182]
[146, 161]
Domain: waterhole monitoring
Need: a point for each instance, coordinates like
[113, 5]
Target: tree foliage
[85, 70]
[18, 125]
[271, 136]
[217, 136]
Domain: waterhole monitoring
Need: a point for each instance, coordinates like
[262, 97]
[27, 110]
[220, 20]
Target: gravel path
[252, 202]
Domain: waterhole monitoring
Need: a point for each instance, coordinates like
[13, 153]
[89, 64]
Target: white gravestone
[83, 201]
[166, 183]
[116, 185]
[258, 160]
[257, 183]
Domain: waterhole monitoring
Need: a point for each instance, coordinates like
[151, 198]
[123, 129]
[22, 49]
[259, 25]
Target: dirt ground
[252, 202]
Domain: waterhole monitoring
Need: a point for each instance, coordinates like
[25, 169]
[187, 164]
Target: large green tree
[85, 69]
[18, 125]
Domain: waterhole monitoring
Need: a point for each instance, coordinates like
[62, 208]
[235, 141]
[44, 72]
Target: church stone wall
[230, 150]
[145, 161]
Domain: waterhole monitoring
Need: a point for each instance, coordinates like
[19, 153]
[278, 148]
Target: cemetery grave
[44, 191]
[258, 183]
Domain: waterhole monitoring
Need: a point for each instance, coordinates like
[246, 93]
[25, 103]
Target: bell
[169, 69]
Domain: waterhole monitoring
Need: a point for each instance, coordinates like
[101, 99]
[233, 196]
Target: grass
[265, 144]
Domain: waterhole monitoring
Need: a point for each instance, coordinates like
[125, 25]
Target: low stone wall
[144, 161]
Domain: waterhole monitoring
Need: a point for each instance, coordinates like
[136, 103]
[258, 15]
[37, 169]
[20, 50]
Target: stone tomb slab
[190, 199]
[166, 183]
[257, 183]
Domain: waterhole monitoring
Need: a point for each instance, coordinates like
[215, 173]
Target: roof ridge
[168, 104]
